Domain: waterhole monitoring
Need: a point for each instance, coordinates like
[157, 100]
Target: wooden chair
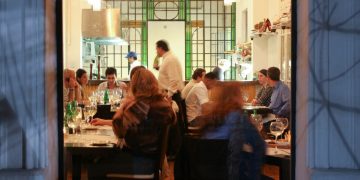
[158, 163]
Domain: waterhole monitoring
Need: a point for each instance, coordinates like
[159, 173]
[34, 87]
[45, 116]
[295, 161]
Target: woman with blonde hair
[140, 122]
[142, 113]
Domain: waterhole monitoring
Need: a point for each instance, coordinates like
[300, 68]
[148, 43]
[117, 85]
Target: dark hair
[211, 75]
[135, 69]
[110, 71]
[264, 72]
[217, 71]
[197, 73]
[80, 72]
[163, 45]
[273, 73]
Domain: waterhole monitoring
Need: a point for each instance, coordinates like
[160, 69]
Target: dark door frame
[59, 63]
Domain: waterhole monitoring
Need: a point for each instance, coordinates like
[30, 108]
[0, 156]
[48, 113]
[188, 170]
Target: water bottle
[106, 97]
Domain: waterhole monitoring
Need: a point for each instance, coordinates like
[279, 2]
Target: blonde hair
[144, 84]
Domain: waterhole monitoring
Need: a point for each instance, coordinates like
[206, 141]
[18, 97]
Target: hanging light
[228, 2]
[102, 27]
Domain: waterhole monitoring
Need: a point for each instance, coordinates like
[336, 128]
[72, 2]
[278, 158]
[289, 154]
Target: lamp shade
[103, 23]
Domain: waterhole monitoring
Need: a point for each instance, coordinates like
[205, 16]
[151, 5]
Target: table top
[91, 137]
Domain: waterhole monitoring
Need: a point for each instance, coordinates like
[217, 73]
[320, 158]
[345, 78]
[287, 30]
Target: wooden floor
[268, 170]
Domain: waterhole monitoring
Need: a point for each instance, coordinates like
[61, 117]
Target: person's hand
[97, 122]
[72, 83]
[254, 102]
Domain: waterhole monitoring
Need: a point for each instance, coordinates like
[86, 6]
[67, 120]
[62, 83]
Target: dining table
[95, 141]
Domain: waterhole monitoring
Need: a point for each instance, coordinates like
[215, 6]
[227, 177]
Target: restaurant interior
[234, 39]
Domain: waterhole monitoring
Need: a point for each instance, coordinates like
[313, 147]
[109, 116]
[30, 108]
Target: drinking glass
[245, 97]
[89, 112]
[284, 121]
[276, 129]
[257, 121]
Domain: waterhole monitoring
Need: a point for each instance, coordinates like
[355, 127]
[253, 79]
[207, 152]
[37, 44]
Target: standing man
[132, 58]
[280, 98]
[170, 73]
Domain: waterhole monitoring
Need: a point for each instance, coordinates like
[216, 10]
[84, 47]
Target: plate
[90, 128]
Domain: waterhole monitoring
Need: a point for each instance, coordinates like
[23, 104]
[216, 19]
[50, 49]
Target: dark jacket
[142, 124]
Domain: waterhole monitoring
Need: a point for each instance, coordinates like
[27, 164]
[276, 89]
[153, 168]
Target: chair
[159, 162]
[115, 165]
[206, 159]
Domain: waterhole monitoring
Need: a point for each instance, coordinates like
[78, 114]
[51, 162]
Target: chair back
[163, 149]
[158, 160]
[207, 158]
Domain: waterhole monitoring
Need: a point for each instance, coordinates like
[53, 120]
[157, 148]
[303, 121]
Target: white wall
[171, 31]
[266, 51]
[72, 32]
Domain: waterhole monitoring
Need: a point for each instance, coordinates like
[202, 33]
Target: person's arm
[264, 99]
[285, 99]
[101, 122]
[173, 72]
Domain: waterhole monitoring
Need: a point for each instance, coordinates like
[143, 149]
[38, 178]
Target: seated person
[280, 98]
[140, 116]
[108, 122]
[138, 121]
[224, 120]
[264, 95]
[82, 80]
[197, 76]
[71, 89]
[112, 83]
[198, 97]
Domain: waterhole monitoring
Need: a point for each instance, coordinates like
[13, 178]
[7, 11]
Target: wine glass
[276, 129]
[245, 97]
[257, 121]
[284, 121]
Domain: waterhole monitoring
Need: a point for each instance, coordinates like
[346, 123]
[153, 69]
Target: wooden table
[281, 159]
[92, 141]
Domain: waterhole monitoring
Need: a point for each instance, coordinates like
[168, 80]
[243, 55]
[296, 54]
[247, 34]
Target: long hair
[144, 84]
[227, 97]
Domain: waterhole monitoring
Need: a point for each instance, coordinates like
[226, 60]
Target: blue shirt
[223, 131]
[280, 100]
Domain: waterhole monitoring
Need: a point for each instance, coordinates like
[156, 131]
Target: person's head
[135, 69]
[69, 76]
[162, 47]
[143, 84]
[210, 80]
[217, 71]
[262, 76]
[132, 56]
[81, 77]
[227, 97]
[273, 74]
[110, 74]
[199, 74]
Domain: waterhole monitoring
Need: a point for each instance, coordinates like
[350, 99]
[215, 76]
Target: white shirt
[134, 64]
[197, 96]
[104, 85]
[170, 74]
[187, 88]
